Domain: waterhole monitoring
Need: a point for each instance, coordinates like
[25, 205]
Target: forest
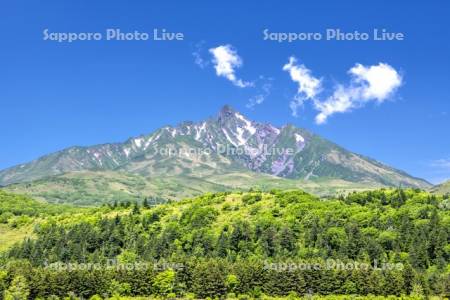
[243, 245]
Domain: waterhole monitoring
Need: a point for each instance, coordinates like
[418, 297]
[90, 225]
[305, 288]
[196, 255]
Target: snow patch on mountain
[200, 130]
[299, 138]
[228, 137]
[240, 136]
[248, 125]
[138, 142]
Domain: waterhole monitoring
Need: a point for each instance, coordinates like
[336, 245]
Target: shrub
[18, 290]
[251, 198]
[164, 282]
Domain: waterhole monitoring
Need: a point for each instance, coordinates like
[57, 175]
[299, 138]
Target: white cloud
[439, 170]
[308, 85]
[198, 57]
[373, 83]
[261, 97]
[377, 82]
[443, 164]
[225, 61]
[342, 100]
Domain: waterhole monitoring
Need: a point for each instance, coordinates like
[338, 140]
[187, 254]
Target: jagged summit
[226, 113]
[229, 113]
[227, 109]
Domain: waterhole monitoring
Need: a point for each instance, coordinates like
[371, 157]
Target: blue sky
[55, 95]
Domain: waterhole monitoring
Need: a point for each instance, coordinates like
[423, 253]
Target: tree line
[226, 237]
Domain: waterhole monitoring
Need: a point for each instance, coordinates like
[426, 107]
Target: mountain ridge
[442, 188]
[227, 143]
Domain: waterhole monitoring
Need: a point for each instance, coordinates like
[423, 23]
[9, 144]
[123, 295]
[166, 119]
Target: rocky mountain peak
[227, 114]
[283, 152]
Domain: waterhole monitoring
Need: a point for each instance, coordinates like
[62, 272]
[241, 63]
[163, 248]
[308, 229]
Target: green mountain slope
[19, 213]
[442, 189]
[95, 188]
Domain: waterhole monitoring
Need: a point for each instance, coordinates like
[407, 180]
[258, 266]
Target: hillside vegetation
[253, 243]
[96, 188]
[16, 208]
[442, 189]
[19, 213]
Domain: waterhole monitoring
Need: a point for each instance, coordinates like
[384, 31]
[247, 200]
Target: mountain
[442, 189]
[196, 154]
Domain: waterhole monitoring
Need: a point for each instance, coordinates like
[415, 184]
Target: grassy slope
[22, 205]
[19, 214]
[9, 236]
[93, 188]
[442, 189]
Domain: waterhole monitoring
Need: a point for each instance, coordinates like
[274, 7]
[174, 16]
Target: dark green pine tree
[223, 243]
[136, 210]
[437, 239]
[145, 203]
[287, 239]
[394, 284]
[418, 251]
